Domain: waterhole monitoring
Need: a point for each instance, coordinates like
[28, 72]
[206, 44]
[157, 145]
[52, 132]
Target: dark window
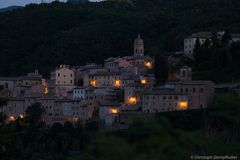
[6, 85]
[183, 73]
[194, 90]
[201, 89]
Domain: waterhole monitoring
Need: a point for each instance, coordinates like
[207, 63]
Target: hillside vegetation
[43, 36]
[165, 136]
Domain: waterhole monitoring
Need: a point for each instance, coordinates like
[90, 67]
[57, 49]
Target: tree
[235, 52]
[56, 128]
[77, 1]
[34, 114]
[214, 39]
[226, 38]
[68, 127]
[3, 101]
[207, 43]
[160, 69]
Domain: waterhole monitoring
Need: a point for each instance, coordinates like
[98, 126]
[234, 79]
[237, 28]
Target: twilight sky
[6, 3]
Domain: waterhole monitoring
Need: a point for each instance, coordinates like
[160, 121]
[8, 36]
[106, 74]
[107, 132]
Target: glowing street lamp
[148, 64]
[183, 105]
[93, 83]
[45, 90]
[143, 81]
[21, 116]
[117, 83]
[132, 100]
[11, 118]
[114, 111]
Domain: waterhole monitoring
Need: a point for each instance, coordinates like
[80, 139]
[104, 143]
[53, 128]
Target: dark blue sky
[6, 3]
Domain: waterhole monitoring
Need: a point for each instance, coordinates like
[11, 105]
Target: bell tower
[138, 46]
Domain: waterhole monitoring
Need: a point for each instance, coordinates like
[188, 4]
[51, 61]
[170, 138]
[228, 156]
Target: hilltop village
[122, 85]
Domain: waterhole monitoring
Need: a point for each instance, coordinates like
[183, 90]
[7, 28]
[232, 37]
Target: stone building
[138, 46]
[190, 42]
[137, 64]
[79, 93]
[200, 93]
[63, 78]
[100, 79]
[82, 72]
[109, 112]
[32, 83]
[163, 100]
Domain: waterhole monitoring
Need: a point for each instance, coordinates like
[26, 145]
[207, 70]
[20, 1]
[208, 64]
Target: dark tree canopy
[160, 69]
[34, 114]
[44, 36]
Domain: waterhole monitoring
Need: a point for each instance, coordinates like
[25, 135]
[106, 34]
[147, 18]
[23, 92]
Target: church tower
[138, 46]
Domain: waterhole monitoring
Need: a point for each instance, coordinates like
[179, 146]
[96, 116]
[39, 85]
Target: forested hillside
[43, 36]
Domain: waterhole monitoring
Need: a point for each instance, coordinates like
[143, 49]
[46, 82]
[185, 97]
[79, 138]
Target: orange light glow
[93, 83]
[143, 81]
[148, 64]
[21, 116]
[45, 90]
[117, 83]
[73, 119]
[11, 118]
[183, 105]
[114, 111]
[132, 100]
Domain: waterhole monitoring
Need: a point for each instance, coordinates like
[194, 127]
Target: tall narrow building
[138, 46]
